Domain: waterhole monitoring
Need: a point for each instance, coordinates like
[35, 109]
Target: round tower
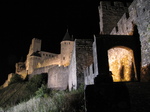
[66, 49]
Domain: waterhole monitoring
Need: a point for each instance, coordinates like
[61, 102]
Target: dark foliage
[15, 79]
[36, 81]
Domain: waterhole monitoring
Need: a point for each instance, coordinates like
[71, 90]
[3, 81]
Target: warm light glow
[39, 65]
[121, 63]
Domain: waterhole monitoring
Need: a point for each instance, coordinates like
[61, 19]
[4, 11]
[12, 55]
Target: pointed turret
[67, 37]
[67, 45]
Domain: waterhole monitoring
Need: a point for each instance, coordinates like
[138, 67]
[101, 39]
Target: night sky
[22, 20]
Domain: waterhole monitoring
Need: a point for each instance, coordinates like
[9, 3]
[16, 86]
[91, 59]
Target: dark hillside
[13, 94]
[19, 91]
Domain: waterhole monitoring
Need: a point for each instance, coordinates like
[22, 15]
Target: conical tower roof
[67, 37]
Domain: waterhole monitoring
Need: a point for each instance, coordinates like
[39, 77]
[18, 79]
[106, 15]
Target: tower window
[63, 58]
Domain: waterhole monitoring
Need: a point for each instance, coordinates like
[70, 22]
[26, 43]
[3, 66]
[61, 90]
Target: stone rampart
[91, 71]
[72, 71]
[52, 61]
[139, 14]
[41, 70]
[110, 13]
[89, 75]
[58, 78]
[84, 57]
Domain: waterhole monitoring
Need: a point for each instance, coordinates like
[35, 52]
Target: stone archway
[128, 43]
[121, 64]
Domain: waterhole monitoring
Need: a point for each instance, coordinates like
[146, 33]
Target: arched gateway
[121, 55]
[115, 47]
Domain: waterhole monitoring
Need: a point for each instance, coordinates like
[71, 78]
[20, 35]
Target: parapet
[114, 5]
[85, 42]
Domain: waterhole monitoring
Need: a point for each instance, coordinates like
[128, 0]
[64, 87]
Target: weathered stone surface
[58, 78]
[145, 73]
[84, 57]
[110, 13]
[72, 77]
[121, 63]
[139, 14]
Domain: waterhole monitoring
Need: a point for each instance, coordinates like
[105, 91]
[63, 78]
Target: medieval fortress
[78, 62]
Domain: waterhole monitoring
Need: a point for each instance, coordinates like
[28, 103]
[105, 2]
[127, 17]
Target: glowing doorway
[121, 64]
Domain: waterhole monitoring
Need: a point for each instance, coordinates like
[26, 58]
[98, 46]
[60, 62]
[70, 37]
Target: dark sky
[22, 20]
[47, 20]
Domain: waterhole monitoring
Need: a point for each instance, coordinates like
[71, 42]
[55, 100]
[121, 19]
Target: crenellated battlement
[138, 15]
[114, 5]
[110, 13]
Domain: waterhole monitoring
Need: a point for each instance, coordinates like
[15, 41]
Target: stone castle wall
[84, 57]
[90, 72]
[72, 71]
[80, 58]
[110, 13]
[35, 46]
[66, 52]
[41, 70]
[31, 63]
[138, 14]
[56, 60]
[63, 77]
[59, 67]
[121, 63]
[58, 77]
[89, 75]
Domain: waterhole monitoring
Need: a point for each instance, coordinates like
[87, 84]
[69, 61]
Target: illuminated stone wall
[121, 63]
[110, 13]
[138, 14]
[37, 58]
[66, 52]
[31, 61]
[56, 60]
[72, 71]
[58, 78]
[41, 70]
[90, 72]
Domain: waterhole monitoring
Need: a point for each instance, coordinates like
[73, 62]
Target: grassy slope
[13, 94]
[59, 101]
[16, 97]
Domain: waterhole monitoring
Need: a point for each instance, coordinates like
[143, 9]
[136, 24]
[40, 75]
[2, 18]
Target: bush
[58, 101]
[36, 81]
[42, 91]
[74, 101]
[15, 79]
